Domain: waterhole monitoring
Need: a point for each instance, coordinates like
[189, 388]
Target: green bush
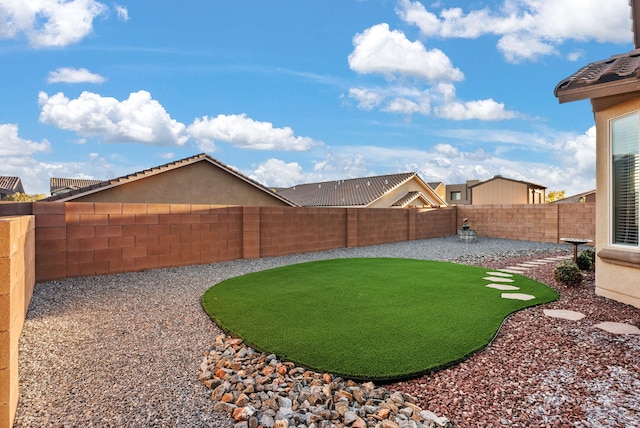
[584, 260]
[568, 273]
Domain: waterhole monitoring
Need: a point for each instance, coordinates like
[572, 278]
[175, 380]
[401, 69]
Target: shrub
[568, 273]
[584, 260]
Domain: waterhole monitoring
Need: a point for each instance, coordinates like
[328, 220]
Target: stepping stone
[513, 269]
[497, 279]
[561, 313]
[503, 287]
[499, 274]
[535, 262]
[618, 328]
[530, 265]
[517, 296]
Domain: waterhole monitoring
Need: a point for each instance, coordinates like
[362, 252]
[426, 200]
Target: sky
[298, 91]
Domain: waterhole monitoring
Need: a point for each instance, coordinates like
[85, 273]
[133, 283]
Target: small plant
[568, 273]
[584, 260]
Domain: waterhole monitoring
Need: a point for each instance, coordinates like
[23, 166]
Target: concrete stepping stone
[618, 328]
[503, 287]
[535, 263]
[531, 265]
[497, 279]
[513, 269]
[564, 314]
[504, 274]
[517, 296]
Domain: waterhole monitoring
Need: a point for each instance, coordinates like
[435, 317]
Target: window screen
[625, 169]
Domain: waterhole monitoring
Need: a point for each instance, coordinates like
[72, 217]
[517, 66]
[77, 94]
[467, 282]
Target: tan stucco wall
[411, 186]
[500, 192]
[613, 280]
[197, 183]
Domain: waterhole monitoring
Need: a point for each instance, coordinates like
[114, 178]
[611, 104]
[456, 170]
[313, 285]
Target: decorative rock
[259, 390]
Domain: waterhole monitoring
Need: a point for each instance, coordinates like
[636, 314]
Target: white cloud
[277, 173]
[123, 12]
[242, 131]
[379, 50]
[74, 75]
[138, 119]
[48, 23]
[527, 29]
[439, 100]
[487, 110]
[13, 145]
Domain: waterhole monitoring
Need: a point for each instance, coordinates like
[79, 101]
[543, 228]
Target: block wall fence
[17, 279]
[43, 241]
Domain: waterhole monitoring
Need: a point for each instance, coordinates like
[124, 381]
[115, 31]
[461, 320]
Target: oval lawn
[369, 318]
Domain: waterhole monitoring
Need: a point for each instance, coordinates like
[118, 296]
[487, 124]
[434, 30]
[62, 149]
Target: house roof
[359, 192]
[202, 157]
[574, 198]
[499, 177]
[9, 185]
[57, 185]
[617, 75]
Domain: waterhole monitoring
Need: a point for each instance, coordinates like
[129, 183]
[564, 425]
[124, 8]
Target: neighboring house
[199, 179]
[459, 194]
[406, 190]
[64, 185]
[501, 190]
[9, 186]
[613, 87]
[580, 198]
[439, 188]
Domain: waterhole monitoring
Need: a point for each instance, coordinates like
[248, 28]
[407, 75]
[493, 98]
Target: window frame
[618, 246]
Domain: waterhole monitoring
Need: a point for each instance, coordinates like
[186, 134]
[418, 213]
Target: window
[625, 179]
[456, 196]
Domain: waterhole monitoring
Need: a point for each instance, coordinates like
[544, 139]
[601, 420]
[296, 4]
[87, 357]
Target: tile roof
[10, 185]
[410, 197]
[358, 192]
[67, 184]
[575, 198]
[616, 75]
[103, 185]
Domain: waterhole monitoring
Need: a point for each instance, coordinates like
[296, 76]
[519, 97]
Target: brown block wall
[537, 223]
[289, 230]
[17, 279]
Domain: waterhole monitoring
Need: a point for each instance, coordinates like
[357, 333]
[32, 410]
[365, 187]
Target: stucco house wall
[505, 191]
[196, 183]
[617, 267]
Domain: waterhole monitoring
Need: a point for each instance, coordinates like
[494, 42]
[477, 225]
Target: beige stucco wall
[501, 192]
[196, 183]
[613, 280]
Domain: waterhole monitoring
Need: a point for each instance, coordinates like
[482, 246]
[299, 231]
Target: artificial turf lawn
[373, 318]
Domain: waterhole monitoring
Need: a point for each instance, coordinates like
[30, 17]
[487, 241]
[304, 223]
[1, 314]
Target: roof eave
[599, 90]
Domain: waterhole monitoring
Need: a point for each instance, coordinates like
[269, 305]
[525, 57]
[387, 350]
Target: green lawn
[377, 319]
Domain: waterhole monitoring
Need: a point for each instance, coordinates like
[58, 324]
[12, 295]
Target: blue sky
[299, 91]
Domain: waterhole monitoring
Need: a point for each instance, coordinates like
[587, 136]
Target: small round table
[576, 242]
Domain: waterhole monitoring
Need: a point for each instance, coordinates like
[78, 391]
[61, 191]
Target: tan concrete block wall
[537, 223]
[17, 279]
[289, 230]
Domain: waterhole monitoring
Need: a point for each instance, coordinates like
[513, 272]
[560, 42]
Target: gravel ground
[125, 350]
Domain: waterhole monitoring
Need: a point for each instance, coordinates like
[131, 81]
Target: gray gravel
[124, 350]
